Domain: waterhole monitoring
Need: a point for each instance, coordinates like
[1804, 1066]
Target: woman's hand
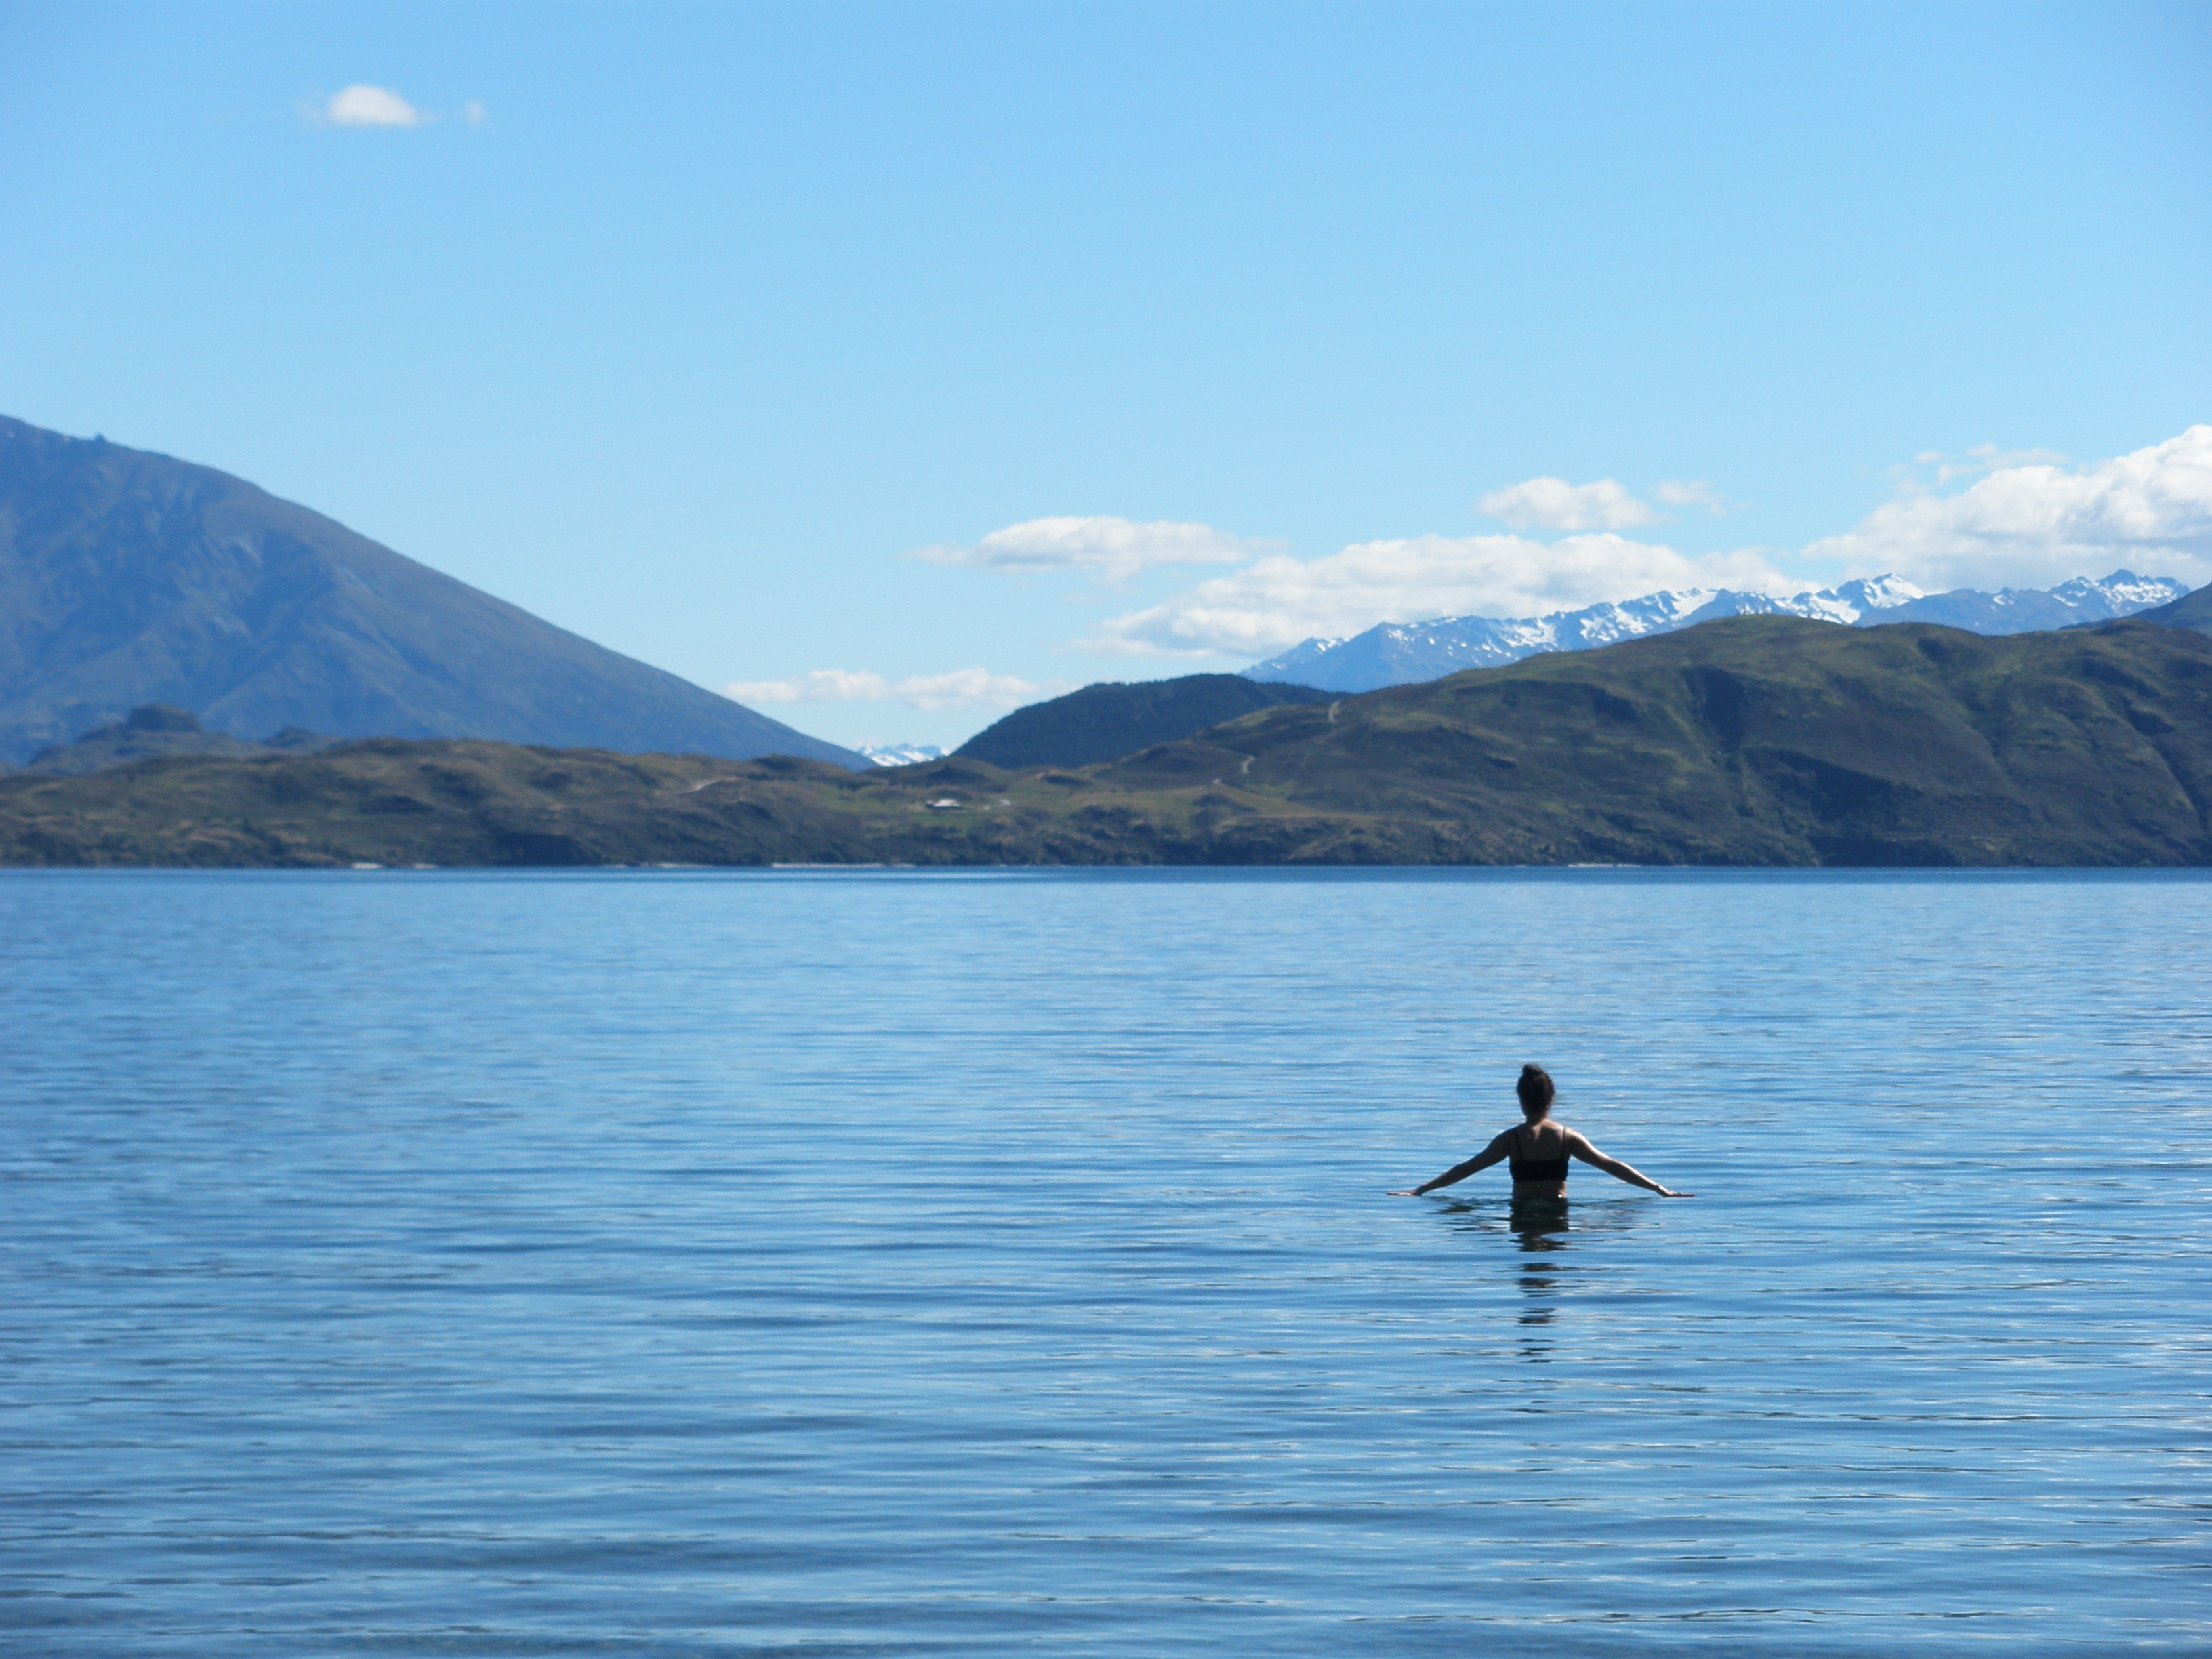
[1407, 1192]
[1669, 1192]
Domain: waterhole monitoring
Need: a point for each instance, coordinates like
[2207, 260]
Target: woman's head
[1536, 1089]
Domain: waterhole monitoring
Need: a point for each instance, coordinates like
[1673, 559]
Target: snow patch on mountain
[1405, 653]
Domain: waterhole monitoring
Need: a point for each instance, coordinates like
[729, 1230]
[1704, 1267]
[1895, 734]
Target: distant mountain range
[129, 579]
[1407, 654]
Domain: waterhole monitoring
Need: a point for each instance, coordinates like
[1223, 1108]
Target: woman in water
[1539, 1150]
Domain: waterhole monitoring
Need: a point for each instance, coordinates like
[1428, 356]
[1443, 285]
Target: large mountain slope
[1405, 653]
[128, 577]
[1106, 721]
[1761, 740]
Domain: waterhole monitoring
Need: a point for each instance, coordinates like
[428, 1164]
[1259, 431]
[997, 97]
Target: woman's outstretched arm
[1494, 1154]
[1612, 1166]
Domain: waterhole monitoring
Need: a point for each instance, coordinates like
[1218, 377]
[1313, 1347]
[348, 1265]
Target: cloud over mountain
[1278, 601]
[1555, 504]
[962, 687]
[1114, 549]
[2149, 510]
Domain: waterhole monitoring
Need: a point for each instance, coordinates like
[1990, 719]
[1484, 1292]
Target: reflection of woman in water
[1539, 1150]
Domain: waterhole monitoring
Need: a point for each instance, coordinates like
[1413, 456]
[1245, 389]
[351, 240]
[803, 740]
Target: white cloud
[2030, 523]
[361, 105]
[822, 685]
[1278, 601]
[1981, 457]
[472, 113]
[973, 688]
[1692, 492]
[1116, 548]
[962, 687]
[1555, 504]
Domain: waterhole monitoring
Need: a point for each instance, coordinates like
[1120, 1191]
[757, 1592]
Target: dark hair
[1536, 1089]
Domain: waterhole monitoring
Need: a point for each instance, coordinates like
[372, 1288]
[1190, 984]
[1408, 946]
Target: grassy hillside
[1756, 740]
[1107, 721]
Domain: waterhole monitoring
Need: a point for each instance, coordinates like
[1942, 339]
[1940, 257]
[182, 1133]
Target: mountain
[1752, 741]
[129, 579]
[1405, 653]
[2194, 612]
[1106, 721]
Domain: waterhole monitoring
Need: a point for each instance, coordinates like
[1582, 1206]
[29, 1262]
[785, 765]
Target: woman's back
[1539, 1153]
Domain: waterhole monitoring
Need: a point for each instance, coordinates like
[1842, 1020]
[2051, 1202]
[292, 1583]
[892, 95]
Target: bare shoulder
[1579, 1144]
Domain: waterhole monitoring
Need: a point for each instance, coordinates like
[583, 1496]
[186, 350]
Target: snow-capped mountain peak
[901, 754]
[1865, 593]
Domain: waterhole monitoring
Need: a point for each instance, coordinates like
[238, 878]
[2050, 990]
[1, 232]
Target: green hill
[1106, 721]
[1757, 740]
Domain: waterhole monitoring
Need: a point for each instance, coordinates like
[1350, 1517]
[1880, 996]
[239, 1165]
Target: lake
[891, 1262]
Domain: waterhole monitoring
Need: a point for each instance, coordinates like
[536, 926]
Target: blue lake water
[915, 1263]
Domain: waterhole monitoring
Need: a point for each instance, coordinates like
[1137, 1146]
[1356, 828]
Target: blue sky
[819, 349]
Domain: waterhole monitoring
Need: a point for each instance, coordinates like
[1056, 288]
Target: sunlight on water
[934, 1263]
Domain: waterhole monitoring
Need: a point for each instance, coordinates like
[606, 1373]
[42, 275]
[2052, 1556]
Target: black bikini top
[1538, 1169]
